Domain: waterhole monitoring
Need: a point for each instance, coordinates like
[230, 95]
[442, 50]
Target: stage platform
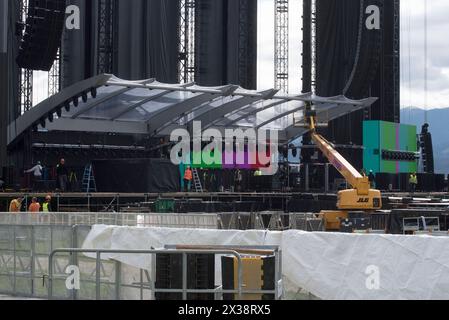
[211, 202]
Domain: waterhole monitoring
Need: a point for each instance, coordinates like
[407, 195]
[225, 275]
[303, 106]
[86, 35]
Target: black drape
[136, 176]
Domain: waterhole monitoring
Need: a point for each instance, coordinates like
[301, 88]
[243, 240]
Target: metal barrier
[24, 253]
[276, 221]
[168, 220]
[150, 285]
[184, 290]
[28, 256]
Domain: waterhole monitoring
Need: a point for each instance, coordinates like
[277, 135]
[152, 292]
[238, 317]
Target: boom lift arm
[361, 197]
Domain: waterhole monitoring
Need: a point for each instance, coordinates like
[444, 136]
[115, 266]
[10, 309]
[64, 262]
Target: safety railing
[270, 220]
[169, 220]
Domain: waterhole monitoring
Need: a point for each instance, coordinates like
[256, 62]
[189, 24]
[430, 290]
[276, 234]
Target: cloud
[412, 50]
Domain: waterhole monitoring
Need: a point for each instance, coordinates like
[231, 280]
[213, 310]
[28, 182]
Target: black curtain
[226, 42]
[136, 176]
[145, 41]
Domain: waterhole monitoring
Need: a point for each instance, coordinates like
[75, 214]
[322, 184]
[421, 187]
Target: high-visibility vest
[413, 179]
[34, 207]
[188, 175]
[15, 206]
[45, 207]
[258, 173]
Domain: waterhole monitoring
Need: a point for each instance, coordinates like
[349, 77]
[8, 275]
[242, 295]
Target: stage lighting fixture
[76, 102]
[59, 112]
[51, 117]
[84, 97]
[93, 92]
[43, 123]
[67, 106]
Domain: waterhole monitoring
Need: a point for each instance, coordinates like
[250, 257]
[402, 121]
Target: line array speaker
[42, 37]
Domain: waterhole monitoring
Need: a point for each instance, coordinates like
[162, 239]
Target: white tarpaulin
[328, 265]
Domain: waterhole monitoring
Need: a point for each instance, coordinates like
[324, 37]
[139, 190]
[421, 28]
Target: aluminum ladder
[197, 181]
[89, 184]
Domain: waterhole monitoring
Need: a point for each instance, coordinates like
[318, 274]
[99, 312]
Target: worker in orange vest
[16, 205]
[35, 206]
[188, 177]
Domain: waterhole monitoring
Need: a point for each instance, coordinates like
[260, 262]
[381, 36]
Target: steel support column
[187, 41]
[281, 45]
[106, 20]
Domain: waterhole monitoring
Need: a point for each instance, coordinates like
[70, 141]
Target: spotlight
[93, 92]
[84, 97]
[59, 112]
[76, 102]
[294, 150]
[43, 123]
[67, 106]
[51, 117]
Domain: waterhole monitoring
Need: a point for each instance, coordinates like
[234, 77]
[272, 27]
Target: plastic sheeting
[328, 265]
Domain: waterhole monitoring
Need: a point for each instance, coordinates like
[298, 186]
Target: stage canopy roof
[107, 104]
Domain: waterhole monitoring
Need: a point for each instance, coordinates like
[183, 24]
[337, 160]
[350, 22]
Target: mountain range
[438, 120]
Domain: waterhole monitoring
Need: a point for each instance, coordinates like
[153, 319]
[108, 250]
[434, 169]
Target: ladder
[197, 181]
[89, 184]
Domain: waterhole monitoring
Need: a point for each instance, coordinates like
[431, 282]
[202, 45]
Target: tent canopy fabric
[107, 104]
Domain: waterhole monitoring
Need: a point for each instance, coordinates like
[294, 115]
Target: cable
[359, 48]
[426, 116]
[409, 61]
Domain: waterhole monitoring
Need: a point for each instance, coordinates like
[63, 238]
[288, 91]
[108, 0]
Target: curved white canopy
[107, 104]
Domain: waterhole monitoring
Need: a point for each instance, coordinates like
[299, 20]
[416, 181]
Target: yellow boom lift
[361, 197]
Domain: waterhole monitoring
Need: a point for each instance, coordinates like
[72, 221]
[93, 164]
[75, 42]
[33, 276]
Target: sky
[412, 52]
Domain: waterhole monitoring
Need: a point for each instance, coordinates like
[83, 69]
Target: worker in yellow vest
[413, 182]
[46, 206]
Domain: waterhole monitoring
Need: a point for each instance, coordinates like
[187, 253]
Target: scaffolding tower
[26, 75]
[243, 43]
[313, 45]
[281, 45]
[187, 41]
[54, 76]
[106, 20]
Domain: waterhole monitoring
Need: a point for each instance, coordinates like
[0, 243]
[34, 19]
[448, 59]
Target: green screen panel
[371, 142]
[380, 135]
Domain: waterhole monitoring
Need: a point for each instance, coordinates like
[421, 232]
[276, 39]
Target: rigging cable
[426, 117]
[409, 26]
[359, 48]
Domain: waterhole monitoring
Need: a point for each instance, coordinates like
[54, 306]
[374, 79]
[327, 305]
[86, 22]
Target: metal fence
[108, 282]
[24, 255]
[270, 220]
[203, 221]
[32, 266]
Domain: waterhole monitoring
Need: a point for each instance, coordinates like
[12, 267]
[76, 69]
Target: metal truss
[26, 75]
[106, 21]
[313, 45]
[186, 65]
[281, 45]
[54, 76]
[391, 83]
[244, 47]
